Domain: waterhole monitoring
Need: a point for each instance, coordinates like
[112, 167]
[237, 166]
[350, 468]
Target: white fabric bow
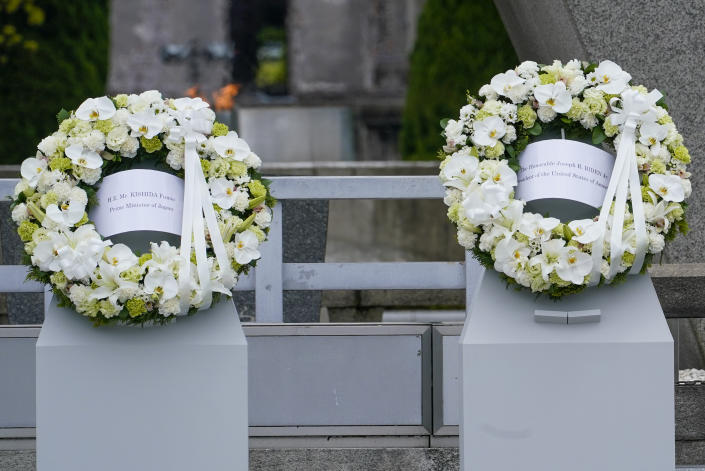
[197, 207]
[629, 110]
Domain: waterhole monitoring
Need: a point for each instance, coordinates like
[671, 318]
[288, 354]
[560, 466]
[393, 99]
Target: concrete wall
[140, 28]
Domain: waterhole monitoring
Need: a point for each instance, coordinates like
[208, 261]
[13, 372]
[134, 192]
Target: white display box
[555, 397]
[122, 398]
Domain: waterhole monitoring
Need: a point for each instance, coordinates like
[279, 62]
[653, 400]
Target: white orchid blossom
[537, 227]
[246, 247]
[668, 187]
[31, 169]
[161, 283]
[508, 253]
[574, 265]
[609, 77]
[488, 131]
[145, 123]
[121, 257]
[231, 146]
[84, 157]
[503, 84]
[459, 171]
[94, 109]
[75, 253]
[554, 96]
[223, 192]
[551, 252]
[110, 285]
[483, 202]
[586, 231]
[66, 214]
[651, 134]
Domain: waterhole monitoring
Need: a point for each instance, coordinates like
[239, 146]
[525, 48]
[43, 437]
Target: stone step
[319, 459]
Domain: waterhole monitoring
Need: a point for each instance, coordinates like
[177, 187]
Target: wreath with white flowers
[108, 282]
[481, 158]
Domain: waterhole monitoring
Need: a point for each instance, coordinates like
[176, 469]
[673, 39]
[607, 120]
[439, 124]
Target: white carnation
[241, 201]
[656, 242]
[129, 147]
[48, 146]
[88, 175]
[169, 307]
[94, 140]
[120, 117]
[116, 138]
[466, 238]
[264, 217]
[510, 134]
[546, 114]
[492, 107]
[175, 159]
[79, 195]
[452, 196]
[588, 121]
[252, 160]
[20, 213]
[62, 191]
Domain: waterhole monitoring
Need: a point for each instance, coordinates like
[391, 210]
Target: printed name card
[139, 200]
[565, 169]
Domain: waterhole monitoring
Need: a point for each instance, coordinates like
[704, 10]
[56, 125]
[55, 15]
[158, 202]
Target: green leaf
[535, 130]
[566, 120]
[62, 115]
[598, 135]
[444, 123]
[511, 151]
[590, 68]
[662, 103]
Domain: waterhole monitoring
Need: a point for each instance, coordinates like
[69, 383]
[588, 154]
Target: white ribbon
[197, 207]
[630, 110]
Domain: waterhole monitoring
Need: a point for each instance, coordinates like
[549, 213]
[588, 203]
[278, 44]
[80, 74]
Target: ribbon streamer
[197, 208]
[630, 110]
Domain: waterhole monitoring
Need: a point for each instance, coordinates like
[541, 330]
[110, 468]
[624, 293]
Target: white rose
[88, 175]
[129, 147]
[546, 114]
[116, 138]
[20, 213]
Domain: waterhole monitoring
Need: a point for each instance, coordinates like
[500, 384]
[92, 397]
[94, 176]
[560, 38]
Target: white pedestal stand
[157, 398]
[556, 397]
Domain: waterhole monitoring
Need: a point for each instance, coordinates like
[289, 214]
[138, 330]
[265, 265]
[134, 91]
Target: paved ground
[317, 459]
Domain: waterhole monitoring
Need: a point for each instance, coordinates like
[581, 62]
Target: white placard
[565, 169]
[139, 200]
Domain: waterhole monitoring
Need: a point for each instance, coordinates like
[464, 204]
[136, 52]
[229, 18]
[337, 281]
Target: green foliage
[69, 65]
[460, 46]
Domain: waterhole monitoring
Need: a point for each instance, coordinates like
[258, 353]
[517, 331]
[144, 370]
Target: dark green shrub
[460, 45]
[70, 64]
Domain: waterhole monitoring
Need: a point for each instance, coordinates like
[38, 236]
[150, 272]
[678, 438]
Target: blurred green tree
[460, 45]
[67, 63]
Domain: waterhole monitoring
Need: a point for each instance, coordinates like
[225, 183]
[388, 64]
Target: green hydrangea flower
[219, 167]
[527, 116]
[453, 212]
[108, 309]
[67, 125]
[144, 258]
[26, 229]
[205, 166]
[135, 307]
[261, 236]
[548, 78]
[60, 163]
[237, 169]
[496, 151]
[577, 110]
[59, 279]
[151, 145]
[628, 258]
[120, 100]
[610, 129]
[219, 129]
[47, 199]
[104, 126]
[681, 153]
[557, 280]
[658, 167]
[257, 188]
[482, 114]
[665, 119]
